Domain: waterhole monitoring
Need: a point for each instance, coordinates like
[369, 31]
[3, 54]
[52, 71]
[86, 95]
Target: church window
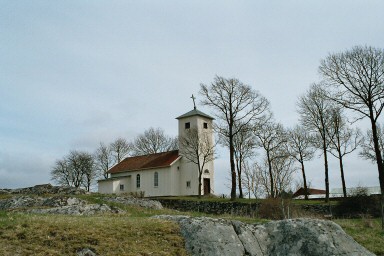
[187, 125]
[188, 184]
[156, 179]
[205, 125]
[121, 187]
[138, 180]
[206, 171]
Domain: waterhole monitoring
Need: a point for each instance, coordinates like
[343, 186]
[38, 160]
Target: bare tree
[88, 169]
[315, 115]
[197, 148]
[277, 179]
[244, 145]
[237, 105]
[153, 141]
[300, 146]
[119, 148]
[62, 174]
[345, 140]
[271, 138]
[357, 75]
[368, 147]
[103, 160]
[249, 180]
[75, 170]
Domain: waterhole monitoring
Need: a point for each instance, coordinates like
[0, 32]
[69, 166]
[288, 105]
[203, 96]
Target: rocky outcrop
[207, 236]
[45, 189]
[145, 203]
[55, 205]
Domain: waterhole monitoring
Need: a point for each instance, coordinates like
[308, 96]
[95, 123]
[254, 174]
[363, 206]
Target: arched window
[156, 179]
[138, 181]
[206, 171]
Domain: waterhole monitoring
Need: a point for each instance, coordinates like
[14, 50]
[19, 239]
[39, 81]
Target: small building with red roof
[165, 173]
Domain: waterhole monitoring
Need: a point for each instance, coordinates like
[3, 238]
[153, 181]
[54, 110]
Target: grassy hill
[130, 233]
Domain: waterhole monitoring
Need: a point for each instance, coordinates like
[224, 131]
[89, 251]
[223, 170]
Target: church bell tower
[203, 123]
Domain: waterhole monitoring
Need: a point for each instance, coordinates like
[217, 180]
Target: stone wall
[236, 208]
[232, 208]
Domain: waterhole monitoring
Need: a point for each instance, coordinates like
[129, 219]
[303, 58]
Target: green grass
[366, 232]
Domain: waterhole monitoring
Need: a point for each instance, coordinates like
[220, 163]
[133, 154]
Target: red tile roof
[136, 163]
[311, 191]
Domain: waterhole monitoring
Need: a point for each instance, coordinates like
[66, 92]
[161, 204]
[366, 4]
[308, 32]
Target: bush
[358, 204]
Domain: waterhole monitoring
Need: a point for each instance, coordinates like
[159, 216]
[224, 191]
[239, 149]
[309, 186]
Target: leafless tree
[315, 112]
[75, 170]
[244, 143]
[277, 179]
[236, 106]
[103, 160]
[271, 138]
[368, 147]
[345, 140]
[300, 147]
[249, 180]
[197, 148]
[153, 141]
[357, 76]
[119, 148]
[62, 174]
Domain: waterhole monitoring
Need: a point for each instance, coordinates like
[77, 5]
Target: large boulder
[296, 237]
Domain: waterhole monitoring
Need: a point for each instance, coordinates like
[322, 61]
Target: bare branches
[357, 76]
[120, 149]
[236, 107]
[153, 141]
[76, 169]
[368, 148]
[103, 160]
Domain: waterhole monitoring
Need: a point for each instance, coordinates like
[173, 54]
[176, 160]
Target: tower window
[156, 179]
[187, 125]
[205, 125]
[138, 180]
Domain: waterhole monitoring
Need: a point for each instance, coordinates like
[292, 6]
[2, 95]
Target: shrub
[358, 204]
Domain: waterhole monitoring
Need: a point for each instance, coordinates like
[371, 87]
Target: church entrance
[207, 186]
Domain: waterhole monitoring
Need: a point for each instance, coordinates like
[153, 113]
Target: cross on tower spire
[194, 104]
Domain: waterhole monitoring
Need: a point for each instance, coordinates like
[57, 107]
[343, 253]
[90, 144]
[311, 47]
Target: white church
[166, 173]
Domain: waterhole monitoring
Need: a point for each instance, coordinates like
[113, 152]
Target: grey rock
[47, 189]
[20, 202]
[55, 205]
[295, 237]
[86, 252]
[145, 203]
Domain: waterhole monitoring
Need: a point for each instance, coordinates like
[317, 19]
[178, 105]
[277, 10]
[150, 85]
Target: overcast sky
[77, 73]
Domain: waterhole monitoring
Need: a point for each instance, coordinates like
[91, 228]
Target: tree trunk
[342, 175]
[233, 171]
[304, 178]
[238, 163]
[379, 161]
[326, 171]
[271, 176]
[200, 174]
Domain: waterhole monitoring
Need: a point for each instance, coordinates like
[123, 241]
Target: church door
[207, 186]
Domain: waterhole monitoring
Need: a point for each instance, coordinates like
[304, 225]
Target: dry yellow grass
[23, 234]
